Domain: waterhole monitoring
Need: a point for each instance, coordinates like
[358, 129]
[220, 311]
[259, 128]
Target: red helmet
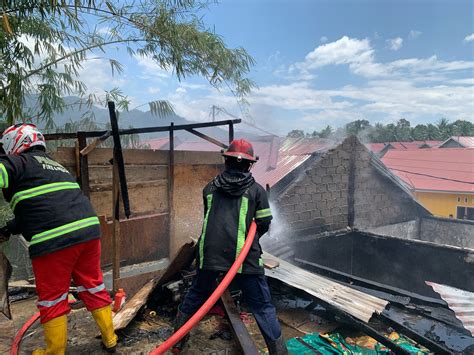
[240, 149]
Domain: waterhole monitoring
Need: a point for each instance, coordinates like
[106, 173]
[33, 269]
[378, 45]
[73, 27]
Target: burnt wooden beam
[207, 138]
[183, 127]
[243, 337]
[83, 164]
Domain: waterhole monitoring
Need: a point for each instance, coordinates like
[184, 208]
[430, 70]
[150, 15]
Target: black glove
[5, 234]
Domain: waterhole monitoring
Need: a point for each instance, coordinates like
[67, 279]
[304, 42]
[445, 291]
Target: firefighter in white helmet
[63, 231]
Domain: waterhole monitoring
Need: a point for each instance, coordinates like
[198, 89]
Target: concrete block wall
[459, 233]
[378, 201]
[320, 199]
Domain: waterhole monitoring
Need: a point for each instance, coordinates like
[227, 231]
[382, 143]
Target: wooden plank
[198, 158]
[102, 156]
[133, 284]
[270, 263]
[142, 239]
[100, 174]
[241, 333]
[183, 259]
[5, 273]
[144, 198]
[65, 156]
[131, 186]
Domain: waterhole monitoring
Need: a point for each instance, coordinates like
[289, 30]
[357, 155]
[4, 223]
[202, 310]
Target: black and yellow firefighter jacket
[50, 209]
[231, 202]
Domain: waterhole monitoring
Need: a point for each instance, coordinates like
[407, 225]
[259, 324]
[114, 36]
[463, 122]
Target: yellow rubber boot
[103, 318]
[55, 335]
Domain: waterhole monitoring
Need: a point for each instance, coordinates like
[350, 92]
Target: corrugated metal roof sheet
[377, 147]
[156, 143]
[356, 303]
[285, 165]
[460, 301]
[304, 146]
[447, 169]
[277, 156]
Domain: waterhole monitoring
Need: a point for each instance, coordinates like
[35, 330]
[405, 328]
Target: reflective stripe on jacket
[50, 209]
[226, 221]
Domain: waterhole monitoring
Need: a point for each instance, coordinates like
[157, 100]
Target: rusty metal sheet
[460, 301]
[5, 273]
[358, 304]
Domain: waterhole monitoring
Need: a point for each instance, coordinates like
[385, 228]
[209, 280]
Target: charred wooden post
[83, 164]
[171, 185]
[116, 226]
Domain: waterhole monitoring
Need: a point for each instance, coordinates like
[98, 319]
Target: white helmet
[20, 137]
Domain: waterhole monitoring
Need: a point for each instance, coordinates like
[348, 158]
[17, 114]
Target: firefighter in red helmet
[63, 232]
[231, 202]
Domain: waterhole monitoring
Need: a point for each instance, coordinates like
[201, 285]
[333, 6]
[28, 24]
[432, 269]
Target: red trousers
[53, 274]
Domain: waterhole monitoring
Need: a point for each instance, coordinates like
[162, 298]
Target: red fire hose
[181, 332]
[15, 348]
[16, 342]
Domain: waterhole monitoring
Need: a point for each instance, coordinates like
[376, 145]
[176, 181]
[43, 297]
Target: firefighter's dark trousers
[256, 294]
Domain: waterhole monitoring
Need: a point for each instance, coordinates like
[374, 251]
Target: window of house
[465, 199]
[459, 199]
[465, 213]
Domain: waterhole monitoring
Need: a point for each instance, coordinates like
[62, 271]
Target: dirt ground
[145, 333]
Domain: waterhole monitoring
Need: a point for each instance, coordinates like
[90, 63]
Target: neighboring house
[442, 180]
[381, 148]
[458, 142]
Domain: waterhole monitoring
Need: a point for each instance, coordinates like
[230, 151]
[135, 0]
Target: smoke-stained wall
[341, 188]
[318, 200]
[455, 232]
[378, 200]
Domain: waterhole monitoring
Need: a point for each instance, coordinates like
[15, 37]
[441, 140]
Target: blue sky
[326, 62]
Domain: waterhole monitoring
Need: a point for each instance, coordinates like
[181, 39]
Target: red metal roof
[377, 147]
[448, 169]
[156, 143]
[277, 156]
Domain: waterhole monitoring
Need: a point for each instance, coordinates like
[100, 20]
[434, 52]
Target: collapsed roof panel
[356, 303]
[460, 301]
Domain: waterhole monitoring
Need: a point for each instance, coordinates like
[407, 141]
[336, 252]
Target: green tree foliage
[296, 133]
[324, 133]
[355, 127]
[44, 43]
[401, 131]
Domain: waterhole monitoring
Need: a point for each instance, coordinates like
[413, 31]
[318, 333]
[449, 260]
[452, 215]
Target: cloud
[343, 51]
[356, 53]
[469, 38]
[395, 43]
[359, 55]
[323, 39]
[150, 69]
[153, 90]
[415, 88]
[413, 34]
[97, 75]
